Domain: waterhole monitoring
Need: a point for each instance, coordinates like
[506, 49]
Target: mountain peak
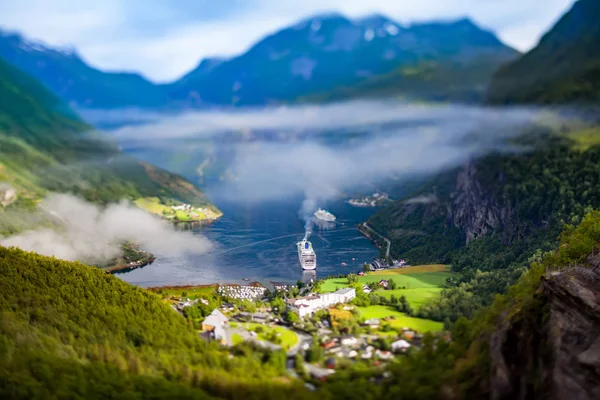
[315, 21]
[467, 21]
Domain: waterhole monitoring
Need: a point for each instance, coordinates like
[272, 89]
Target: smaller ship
[324, 215]
[306, 255]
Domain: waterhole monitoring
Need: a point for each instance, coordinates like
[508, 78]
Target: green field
[585, 138]
[416, 297]
[400, 320]
[288, 338]
[236, 339]
[410, 281]
[155, 206]
[423, 283]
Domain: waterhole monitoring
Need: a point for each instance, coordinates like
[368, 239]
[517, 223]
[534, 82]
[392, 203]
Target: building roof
[401, 344]
[345, 291]
[215, 318]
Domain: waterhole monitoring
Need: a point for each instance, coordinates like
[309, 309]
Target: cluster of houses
[183, 303]
[242, 292]
[381, 263]
[353, 347]
[307, 305]
[194, 212]
[183, 207]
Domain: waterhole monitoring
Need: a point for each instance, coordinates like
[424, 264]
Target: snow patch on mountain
[303, 67]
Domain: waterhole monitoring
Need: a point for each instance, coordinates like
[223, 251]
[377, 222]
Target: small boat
[344, 264]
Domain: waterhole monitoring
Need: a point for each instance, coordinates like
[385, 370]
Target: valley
[148, 231]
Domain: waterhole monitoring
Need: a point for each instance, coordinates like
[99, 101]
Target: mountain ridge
[563, 68]
[315, 55]
[46, 148]
[320, 54]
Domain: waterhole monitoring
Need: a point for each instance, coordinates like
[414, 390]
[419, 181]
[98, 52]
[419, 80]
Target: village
[320, 332]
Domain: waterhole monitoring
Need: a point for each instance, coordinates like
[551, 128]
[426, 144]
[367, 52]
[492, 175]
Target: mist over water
[92, 234]
[297, 159]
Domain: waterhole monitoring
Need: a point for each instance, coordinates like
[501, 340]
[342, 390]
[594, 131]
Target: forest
[554, 184]
[68, 330]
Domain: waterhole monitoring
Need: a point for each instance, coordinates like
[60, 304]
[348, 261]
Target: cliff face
[475, 210]
[467, 202]
[553, 350]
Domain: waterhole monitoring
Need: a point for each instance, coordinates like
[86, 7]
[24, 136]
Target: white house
[349, 341]
[400, 345]
[345, 295]
[372, 322]
[215, 322]
[309, 304]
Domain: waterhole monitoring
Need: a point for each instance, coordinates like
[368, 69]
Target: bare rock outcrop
[552, 350]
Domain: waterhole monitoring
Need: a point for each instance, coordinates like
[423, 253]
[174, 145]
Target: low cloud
[93, 234]
[423, 199]
[317, 152]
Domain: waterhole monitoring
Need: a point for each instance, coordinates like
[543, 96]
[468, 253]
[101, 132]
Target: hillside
[563, 68]
[46, 147]
[489, 218]
[537, 342]
[72, 331]
[317, 58]
[74, 81]
[427, 80]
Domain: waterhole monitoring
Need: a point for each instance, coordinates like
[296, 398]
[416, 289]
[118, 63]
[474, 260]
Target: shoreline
[129, 267]
[201, 286]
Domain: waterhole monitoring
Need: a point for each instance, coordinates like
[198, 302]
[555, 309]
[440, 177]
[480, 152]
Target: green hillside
[563, 68]
[45, 147]
[427, 80]
[513, 206]
[72, 331]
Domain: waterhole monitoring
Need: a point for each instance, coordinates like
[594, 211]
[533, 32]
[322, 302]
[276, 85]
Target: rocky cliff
[473, 209]
[458, 207]
[551, 350]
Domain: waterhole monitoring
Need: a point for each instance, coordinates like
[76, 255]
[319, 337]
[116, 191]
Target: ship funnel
[306, 245]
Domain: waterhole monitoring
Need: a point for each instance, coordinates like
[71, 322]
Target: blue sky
[164, 39]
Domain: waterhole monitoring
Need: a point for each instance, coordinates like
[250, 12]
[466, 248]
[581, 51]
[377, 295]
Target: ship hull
[326, 219]
[307, 267]
[306, 256]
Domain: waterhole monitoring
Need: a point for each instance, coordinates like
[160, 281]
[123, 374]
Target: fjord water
[263, 163]
[258, 242]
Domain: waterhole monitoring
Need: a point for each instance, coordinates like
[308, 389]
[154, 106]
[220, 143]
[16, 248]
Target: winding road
[389, 244]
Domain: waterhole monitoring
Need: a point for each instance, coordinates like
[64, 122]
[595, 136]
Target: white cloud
[284, 151]
[93, 234]
[112, 35]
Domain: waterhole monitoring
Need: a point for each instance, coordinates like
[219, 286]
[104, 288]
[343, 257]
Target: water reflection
[324, 225]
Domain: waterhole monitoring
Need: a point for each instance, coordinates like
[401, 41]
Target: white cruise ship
[306, 254]
[324, 215]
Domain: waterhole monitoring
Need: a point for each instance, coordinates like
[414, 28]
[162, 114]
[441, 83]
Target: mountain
[321, 58]
[46, 147]
[564, 67]
[324, 53]
[491, 217]
[73, 80]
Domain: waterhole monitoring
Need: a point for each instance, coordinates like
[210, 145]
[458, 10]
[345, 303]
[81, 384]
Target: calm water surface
[258, 242]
